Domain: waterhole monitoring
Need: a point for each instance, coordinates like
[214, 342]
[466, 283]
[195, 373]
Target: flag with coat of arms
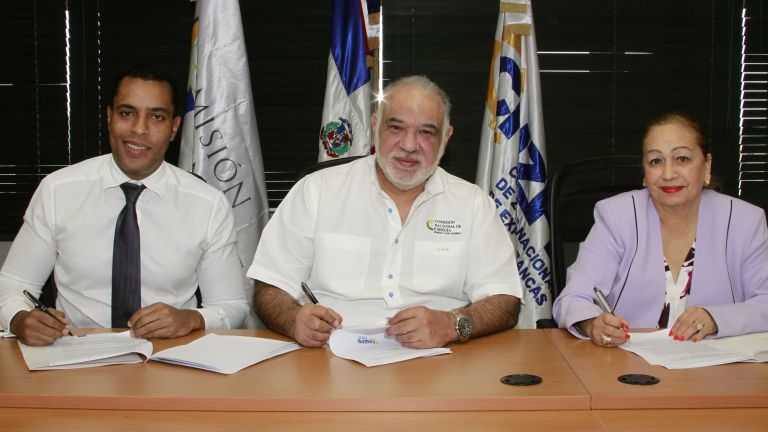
[220, 139]
[512, 161]
[345, 126]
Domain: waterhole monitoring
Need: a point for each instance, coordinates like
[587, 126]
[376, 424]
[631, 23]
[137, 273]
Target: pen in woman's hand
[602, 301]
[43, 308]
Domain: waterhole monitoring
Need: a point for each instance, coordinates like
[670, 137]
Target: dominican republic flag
[345, 129]
[512, 162]
[220, 140]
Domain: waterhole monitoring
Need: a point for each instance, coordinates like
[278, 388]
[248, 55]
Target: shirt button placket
[390, 291]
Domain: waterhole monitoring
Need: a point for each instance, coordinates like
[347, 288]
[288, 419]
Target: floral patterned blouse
[677, 291]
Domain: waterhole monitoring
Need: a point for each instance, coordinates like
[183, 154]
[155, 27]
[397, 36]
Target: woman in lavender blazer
[674, 255]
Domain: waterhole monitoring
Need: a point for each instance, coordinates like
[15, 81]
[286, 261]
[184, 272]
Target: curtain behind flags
[220, 140]
[511, 164]
[345, 126]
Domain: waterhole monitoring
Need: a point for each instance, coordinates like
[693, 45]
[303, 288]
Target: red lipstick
[671, 189]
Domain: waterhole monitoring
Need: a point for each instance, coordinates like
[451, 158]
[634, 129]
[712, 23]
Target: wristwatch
[463, 326]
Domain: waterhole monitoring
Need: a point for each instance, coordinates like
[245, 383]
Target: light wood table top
[46, 420]
[310, 380]
[678, 420]
[657, 420]
[737, 385]
[310, 389]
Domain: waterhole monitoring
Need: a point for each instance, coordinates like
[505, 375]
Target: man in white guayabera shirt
[390, 236]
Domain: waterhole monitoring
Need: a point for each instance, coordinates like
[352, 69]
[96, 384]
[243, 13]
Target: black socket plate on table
[638, 379]
[521, 379]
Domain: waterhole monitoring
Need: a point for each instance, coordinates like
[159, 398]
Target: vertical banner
[345, 127]
[512, 161]
[220, 140]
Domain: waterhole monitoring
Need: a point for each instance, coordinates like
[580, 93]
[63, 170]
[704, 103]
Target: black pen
[601, 300]
[43, 308]
[309, 294]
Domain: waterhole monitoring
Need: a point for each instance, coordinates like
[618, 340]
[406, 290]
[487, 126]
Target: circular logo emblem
[336, 137]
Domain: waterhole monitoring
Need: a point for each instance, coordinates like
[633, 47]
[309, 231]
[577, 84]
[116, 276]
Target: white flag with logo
[512, 161]
[220, 140]
[345, 127]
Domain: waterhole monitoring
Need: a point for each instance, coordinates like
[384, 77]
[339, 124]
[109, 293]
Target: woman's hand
[606, 329]
[694, 323]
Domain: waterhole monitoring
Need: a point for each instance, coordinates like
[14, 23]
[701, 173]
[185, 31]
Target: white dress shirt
[187, 239]
[338, 231]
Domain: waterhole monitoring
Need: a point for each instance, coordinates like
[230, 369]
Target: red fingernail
[695, 339]
[677, 338]
[626, 335]
[670, 332]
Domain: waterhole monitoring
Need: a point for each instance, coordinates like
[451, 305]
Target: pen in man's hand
[43, 308]
[602, 301]
[309, 293]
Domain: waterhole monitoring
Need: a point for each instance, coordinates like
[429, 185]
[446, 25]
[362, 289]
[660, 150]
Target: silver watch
[463, 326]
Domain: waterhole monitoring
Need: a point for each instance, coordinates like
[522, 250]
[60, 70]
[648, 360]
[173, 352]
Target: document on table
[658, 348]
[91, 350]
[224, 354]
[372, 347]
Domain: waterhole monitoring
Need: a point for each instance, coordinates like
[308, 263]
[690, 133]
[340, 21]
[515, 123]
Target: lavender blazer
[623, 256]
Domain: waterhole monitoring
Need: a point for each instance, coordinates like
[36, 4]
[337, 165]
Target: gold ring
[606, 340]
[699, 326]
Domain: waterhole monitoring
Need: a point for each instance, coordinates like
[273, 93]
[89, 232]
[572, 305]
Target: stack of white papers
[658, 348]
[224, 354]
[91, 350]
[372, 347]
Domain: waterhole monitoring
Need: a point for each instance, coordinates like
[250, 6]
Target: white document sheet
[372, 347]
[91, 350]
[224, 354]
[658, 348]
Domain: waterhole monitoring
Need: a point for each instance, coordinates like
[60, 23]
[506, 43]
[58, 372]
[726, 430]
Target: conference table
[732, 397]
[311, 389]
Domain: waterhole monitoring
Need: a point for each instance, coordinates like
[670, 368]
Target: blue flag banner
[512, 161]
[345, 126]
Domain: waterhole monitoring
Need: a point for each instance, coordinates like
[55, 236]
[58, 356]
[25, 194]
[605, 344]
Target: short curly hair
[146, 72]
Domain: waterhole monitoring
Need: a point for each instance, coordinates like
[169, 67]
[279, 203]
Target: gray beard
[405, 183]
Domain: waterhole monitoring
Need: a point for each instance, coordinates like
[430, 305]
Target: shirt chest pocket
[341, 262]
[439, 266]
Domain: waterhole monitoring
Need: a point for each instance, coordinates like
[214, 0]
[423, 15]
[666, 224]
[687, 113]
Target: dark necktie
[126, 260]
